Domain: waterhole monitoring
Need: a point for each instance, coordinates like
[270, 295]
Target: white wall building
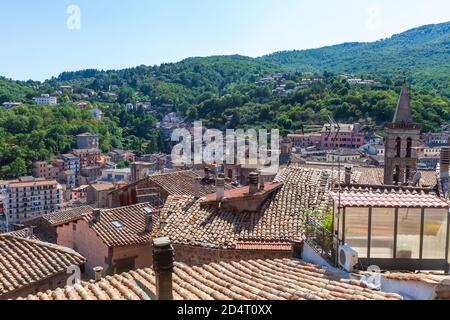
[46, 100]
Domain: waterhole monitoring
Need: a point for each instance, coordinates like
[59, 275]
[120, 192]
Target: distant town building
[88, 157]
[41, 170]
[343, 156]
[97, 194]
[87, 141]
[9, 105]
[46, 100]
[349, 136]
[70, 162]
[65, 90]
[118, 155]
[115, 175]
[89, 174]
[300, 141]
[29, 197]
[140, 170]
[97, 113]
[79, 194]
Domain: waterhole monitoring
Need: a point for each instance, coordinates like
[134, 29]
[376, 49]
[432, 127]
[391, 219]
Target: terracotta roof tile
[183, 183]
[21, 234]
[280, 279]
[124, 226]
[258, 245]
[190, 222]
[65, 216]
[388, 199]
[24, 262]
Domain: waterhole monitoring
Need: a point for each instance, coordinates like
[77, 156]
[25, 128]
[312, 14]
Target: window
[356, 229]
[434, 233]
[382, 237]
[408, 233]
[409, 148]
[398, 147]
[397, 174]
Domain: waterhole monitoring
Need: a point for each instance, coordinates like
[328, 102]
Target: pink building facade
[348, 136]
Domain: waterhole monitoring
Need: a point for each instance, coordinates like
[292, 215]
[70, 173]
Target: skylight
[117, 224]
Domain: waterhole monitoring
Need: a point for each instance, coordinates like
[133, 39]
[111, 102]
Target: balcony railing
[321, 240]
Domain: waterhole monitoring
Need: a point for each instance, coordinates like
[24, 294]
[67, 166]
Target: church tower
[402, 140]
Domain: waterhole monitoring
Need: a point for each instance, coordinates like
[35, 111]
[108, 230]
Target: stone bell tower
[402, 140]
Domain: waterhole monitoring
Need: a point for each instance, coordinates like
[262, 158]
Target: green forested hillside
[229, 92]
[422, 52]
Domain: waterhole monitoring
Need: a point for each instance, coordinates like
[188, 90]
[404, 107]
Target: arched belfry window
[409, 148]
[397, 174]
[398, 147]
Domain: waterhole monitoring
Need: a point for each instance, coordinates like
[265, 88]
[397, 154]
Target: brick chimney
[253, 182]
[348, 175]
[220, 188]
[163, 267]
[197, 187]
[98, 273]
[96, 215]
[149, 222]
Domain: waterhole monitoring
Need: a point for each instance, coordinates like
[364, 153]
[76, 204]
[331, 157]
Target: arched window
[398, 147]
[409, 148]
[408, 173]
[397, 175]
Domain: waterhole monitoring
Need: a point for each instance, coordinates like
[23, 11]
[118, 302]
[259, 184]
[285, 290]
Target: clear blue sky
[36, 43]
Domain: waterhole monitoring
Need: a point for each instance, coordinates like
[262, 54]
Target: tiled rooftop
[190, 222]
[280, 279]
[124, 226]
[66, 216]
[375, 176]
[388, 199]
[183, 183]
[22, 234]
[178, 183]
[24, 262]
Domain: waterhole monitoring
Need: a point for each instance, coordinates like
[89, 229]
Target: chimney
[220, 188]
[207, 173]
[297, 249]
[197, 187]
[149, 222]
[348, 175]
[261, 180]
[163, 267]
[98, 273]
[29, 232]
[96, 215]
[253, 182]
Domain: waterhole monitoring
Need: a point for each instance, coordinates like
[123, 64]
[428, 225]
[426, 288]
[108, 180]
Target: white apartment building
[46, 100]
[29, 197]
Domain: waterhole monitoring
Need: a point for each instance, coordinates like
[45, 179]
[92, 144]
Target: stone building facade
[402, 142]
